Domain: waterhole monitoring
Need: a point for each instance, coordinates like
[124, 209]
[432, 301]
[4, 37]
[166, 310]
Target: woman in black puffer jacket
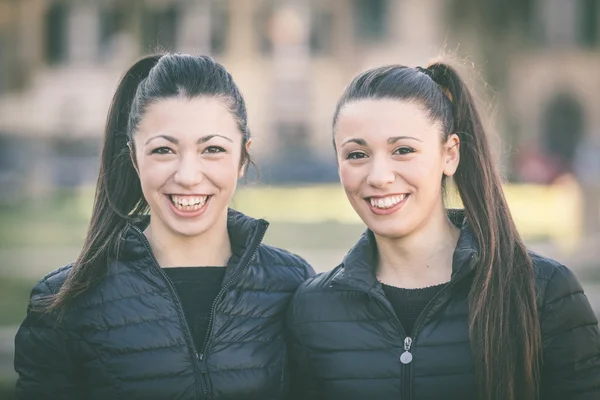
[431, 303]
[183, 303]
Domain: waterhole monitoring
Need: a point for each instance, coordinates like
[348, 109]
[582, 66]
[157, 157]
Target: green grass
[14, 296]
[540, 212]
[60, 220]
[7, 389]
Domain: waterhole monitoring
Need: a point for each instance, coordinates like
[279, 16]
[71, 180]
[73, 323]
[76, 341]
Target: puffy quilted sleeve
[570, 340]
[42, 361]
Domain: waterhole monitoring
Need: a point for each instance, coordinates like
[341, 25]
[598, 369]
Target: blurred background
[535, 65]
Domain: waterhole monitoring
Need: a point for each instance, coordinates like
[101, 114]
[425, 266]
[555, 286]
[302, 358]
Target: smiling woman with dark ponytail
[173, 295]
[434, 303]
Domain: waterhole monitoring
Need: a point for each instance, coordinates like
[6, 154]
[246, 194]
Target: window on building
[564, 120]
[56, 37]
[588, 25]
[113, 21]
[159, 28]
[370, 18]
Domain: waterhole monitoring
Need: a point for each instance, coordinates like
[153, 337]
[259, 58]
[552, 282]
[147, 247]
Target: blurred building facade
[60, 61]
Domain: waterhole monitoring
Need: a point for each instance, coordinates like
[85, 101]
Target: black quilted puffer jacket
[346, 341]
[127, 337]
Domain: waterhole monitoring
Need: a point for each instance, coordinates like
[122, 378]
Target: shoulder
[275, 256]
[314, 289]
[50, 284]
[317, 299]
[319, 283]
[554, 281]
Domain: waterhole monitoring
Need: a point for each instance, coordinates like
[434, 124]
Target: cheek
[349, 177]
[154, 174]
[225, 171]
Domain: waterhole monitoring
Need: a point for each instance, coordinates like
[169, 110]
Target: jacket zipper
[179, 306]
[202, 355]
[407, 356]
[409, 341]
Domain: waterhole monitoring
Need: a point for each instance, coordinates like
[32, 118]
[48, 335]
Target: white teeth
[387, 202]
[187, 203]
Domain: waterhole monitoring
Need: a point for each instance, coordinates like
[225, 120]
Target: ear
[451, 155]
[131, 146]
[242, 170]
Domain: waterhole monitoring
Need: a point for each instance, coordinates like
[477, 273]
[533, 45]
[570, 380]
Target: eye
[404, 150]
[162, 150]
[355, 155]
[214, 150]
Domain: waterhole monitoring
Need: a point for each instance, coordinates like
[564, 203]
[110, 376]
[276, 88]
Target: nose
[189, 171]
[381, 172]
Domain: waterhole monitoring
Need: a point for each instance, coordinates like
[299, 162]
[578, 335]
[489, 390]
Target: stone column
[290, 32]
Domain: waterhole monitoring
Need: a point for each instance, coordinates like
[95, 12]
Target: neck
[421, 259]
[212, 248]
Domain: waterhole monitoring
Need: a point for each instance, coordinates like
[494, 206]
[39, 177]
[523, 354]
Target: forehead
[189, 117]
[387, 117]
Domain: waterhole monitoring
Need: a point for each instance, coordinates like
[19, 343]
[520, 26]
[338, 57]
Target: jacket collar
[358, 266]
[245, 235]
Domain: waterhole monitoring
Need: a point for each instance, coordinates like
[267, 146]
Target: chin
[189, 230]
[390, 233]
[392, 228]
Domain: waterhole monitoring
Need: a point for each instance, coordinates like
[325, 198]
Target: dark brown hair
[503, 321]
[119, 197]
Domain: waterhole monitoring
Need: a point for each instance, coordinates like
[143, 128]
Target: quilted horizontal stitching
[448, 373]
[586, 359]
[368, 321]
[244, 316]
[563, 297]
[354, 349]
[105, 302]
[265, 291]
[245, 369]
[566, 331]
[443, 344]
[154, 377]
[142, 350]
[268, 340]
[396, 378]
[129, 324]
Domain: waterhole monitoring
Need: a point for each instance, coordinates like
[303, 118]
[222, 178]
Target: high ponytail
[503, 320]
[504, 329]
[118, 191]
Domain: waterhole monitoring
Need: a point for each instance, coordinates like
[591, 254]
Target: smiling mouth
[384, 203]
[188, 203]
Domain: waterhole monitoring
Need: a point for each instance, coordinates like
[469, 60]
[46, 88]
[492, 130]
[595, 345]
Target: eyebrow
[391, 140]
[173, 140]
[394, 139]
[360, 142]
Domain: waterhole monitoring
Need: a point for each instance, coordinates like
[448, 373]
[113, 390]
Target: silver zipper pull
[406, 357]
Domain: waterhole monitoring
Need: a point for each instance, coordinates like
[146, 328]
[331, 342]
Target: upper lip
[383, 196]
[188, 194]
